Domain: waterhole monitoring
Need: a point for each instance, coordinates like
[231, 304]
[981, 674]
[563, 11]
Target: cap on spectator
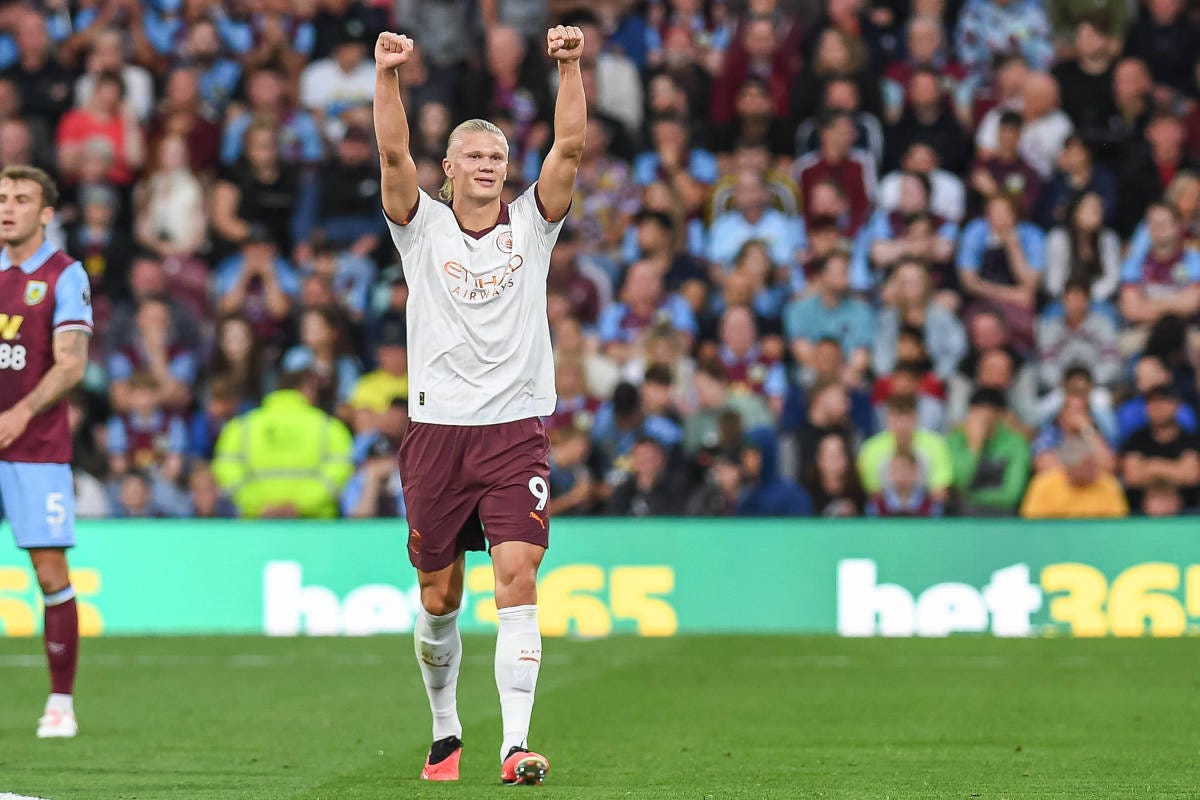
[352, 31]
[990, 398]
[393, 331]
[1162, 391]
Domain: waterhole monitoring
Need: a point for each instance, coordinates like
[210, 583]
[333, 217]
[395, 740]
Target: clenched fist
[392, 50]
[564, 43]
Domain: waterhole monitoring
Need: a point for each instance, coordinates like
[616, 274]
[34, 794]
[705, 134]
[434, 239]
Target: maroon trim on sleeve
[542, 209]
[412, 213]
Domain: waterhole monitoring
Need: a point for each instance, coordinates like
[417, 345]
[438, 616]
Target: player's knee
[516, 585]
[51, 576]
[439, 600]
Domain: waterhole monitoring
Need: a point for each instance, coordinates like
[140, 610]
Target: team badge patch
[504, 242]
[35, 292]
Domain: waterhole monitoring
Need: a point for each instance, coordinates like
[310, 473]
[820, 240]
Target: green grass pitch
[694, 718]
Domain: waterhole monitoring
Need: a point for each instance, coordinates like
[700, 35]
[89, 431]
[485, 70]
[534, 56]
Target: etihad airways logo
[481, 288]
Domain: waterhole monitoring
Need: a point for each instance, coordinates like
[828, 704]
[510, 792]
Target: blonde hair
[456, 135]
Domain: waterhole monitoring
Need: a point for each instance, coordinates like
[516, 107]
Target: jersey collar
[31, 264]
[501, 219]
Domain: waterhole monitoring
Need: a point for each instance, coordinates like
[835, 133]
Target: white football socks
[439, 653]
[518, 658]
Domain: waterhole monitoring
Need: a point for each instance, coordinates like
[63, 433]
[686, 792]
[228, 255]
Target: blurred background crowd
[919, 257]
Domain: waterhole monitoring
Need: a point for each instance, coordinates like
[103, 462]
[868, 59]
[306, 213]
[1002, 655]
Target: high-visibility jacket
[286, 452]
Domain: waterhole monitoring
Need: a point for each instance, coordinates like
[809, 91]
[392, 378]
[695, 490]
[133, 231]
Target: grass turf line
[692, 717]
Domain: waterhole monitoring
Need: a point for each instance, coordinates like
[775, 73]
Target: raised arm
[556, 185]
[399, 171]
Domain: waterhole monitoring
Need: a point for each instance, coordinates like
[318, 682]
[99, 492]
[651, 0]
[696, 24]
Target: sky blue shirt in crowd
[118, 436]
[299, 136]
[217, 85]
[674, 307]
[879, 228]
[1139, 247]
[229, 269]
[182, 367]
[977, 235]
[851, 322]
[702, 165]
[782, 234]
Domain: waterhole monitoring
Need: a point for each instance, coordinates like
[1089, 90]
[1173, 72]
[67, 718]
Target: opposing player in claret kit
[45, 329]
[474, 461]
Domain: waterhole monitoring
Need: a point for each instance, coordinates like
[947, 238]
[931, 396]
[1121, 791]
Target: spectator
[750, 364]
[108, 55]
[618, 87]
[756, 123]
[1084, 252]
[388, 382]
[575, 408]
[285, 458]
[998, 369]
[1076, 176]
[329, 87]
[649, 488]
[153, 348]
[103, 248]
[836, 54]
[237, 357]
[1166, 280]
[913, 306]
[109, 118]
[644, 301]
[833, 482]
[375, 489]
[146, 437]
[1120, 141]
[218, 76]
[688, 170]
[830, 312]
[1086, 79]
[1148, 172]
[991, 460]
[296, 133]
[1001, 170]
[1081, 335]
[925, 50]
[348, 194]
[928, 118]
[905, 493]
[324, 351]
[258, 283]
[571, 483]
[583, 284]
[1166, 40]
[44, 83]
[258, 190]
[181, 113]
[135, 498]
[999, 262]
[947, 195]
[722, 490]
[842, 94]
[223, 403]
[1161, 452]
[1149, 371]
[902, 435]
[752, 218]
[207, 500]
[348, 276]
[606, 201]
[911, 379]
[1045, 126]
[851, 170]
[1077, 489]
[1082, 412]
[893, 236]
[714, 399]
[511, 83]
[171, 221]
[759, 55]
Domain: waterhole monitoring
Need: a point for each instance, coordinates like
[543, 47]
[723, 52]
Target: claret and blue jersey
[46, 294]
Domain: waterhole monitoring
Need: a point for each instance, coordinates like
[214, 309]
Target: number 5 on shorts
[539, 489]
[56, 512]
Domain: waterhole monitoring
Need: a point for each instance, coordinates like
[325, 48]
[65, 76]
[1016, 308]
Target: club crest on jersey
[35, 292]
[504, 242]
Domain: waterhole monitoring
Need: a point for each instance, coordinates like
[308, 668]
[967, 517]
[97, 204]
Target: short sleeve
[408, 235]
[118, 441]
[528, 209]
[120, 368]
[183, 367]
[73, 300]
[177, 439]
[971, 246]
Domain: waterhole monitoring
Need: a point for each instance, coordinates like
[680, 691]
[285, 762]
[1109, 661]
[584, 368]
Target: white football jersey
[478, 337]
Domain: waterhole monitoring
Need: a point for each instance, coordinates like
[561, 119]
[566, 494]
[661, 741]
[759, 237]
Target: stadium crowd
[913, 258]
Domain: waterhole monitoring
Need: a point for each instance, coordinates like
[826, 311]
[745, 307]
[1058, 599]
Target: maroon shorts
[463, 483]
